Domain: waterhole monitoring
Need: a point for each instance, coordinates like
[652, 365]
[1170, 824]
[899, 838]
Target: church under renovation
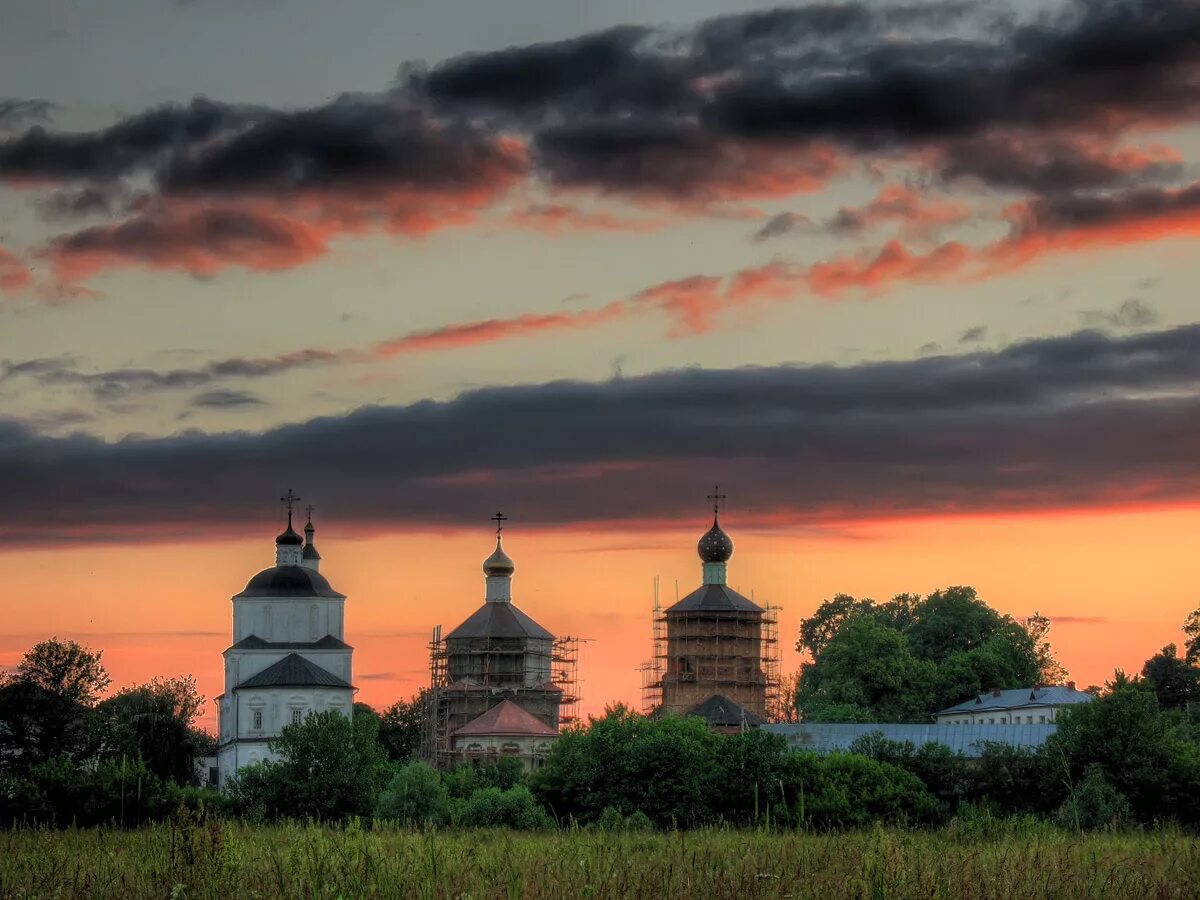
[501, 684]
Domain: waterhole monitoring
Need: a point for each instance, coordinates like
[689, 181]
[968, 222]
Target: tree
[400, 727]
[415, 796]
[1191, 628]
[65, 669]
[1051, 670]
[866, 666]
[330, 768]
[1140, 751]
[904, 659]
[153, 723]
[819, 629]
[665, 767]
[45, 702]
[1173, 680]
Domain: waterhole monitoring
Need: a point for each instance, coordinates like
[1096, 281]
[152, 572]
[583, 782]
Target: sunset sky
[915, 282]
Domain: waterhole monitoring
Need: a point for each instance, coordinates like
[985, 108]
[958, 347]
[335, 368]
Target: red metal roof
[506, 718]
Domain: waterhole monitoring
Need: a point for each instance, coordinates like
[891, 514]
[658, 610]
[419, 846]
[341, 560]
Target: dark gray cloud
[226, 398]
[1082, 420]
[701, 111]
[114, 385]
[781, 224]
[137, 142]
[1051, 164]
[1069, 211]
[17, 113]
[973, 335]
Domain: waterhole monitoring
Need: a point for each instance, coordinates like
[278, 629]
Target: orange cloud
[14, 274]
[918, 215]
[891, 265]
[557, 218]
[200, 241]
[468, 334]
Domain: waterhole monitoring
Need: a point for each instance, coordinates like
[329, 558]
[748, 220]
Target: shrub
[414, 796]
[1094, 804]
[493, 808]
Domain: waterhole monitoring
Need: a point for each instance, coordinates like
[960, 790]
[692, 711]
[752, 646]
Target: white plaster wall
[1030, 715]
[295, 619]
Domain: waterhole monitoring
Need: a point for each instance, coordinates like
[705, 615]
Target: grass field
[221, 860]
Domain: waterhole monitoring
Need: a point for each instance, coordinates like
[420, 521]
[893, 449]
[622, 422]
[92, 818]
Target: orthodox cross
[290, 500]
[717, 498]
[310, 509]
[499, 518]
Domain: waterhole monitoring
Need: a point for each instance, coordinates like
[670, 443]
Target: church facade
[288, 658]
[492, 690]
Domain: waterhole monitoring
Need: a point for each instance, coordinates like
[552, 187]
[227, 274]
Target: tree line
[71, 755]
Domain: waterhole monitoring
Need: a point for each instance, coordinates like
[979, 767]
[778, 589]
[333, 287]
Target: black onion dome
[715, 546]
[289, 581]
[289, 538]
[499, 563]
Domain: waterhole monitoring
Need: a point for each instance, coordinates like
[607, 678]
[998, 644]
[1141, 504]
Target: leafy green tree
[400, 727]
[46, 700]
[819, 629]
[1051, 670]
[845, 790]
[1141, 752]
[866, 665]
[153, 723]
[1174, 681]
[904, 659]
[415, 796]
[1191, 646]
[330, 768]
[662, 766]
[65, 669]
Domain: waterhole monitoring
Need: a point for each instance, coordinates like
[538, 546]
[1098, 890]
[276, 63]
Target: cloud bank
[1075, 422]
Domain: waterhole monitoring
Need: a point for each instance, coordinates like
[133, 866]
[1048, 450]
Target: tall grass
[196, 859]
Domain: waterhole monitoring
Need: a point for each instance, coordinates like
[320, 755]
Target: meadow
[216, 859]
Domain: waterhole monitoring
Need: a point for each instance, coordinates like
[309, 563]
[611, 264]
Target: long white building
[289, 656]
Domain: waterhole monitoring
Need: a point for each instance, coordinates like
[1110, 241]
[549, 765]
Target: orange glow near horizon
[1114, 582]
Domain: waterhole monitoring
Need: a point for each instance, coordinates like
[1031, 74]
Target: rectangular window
[257, 719]
[991, 721]
[1029, 720]
[1041, 719]
[297, 716]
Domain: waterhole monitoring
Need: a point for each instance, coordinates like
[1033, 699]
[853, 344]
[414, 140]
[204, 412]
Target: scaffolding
[698, 654]
[564, 674]
[653, 669]
[448, 705]
[435, 737]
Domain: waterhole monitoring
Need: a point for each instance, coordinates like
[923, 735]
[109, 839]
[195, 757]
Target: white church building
[288, 657]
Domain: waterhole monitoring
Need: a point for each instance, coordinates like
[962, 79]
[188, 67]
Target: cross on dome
[499, 518]
[290, 499]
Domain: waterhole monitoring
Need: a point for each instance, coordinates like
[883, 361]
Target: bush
[493, 808]
[846, 790]
[415, 796]
[1094, 804]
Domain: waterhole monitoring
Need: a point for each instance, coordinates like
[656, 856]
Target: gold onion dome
[499, 563]
[715, 546]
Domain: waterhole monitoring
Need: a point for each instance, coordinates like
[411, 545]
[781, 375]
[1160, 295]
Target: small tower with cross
[289, 545]
[496, 695]
[310, 558]
[712, 658]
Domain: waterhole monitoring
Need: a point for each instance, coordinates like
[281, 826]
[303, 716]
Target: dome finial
[715, 548]
[499, 564]
[287, 545]
[717, 499]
